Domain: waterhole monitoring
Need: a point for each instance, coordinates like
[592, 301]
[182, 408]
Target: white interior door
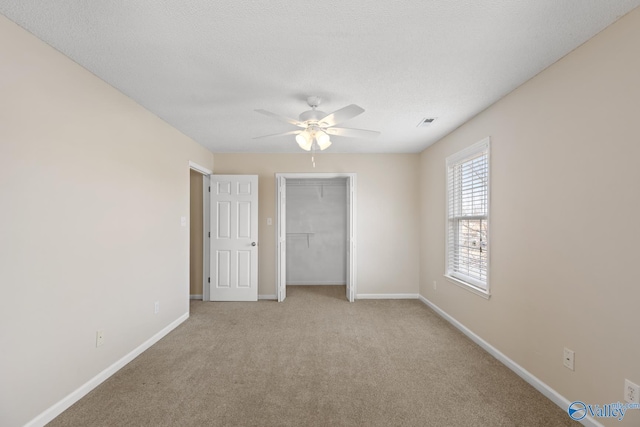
[234, 238]
[282, 238]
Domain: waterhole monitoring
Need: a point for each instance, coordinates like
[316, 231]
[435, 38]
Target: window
[468, 217]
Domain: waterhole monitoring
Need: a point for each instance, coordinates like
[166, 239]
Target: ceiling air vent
[426, 122]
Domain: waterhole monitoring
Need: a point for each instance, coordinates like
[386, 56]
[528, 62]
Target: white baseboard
[267, 297]
[197, 297]
[316, 284]
[387, 296]
[58, 408]
[543, 388]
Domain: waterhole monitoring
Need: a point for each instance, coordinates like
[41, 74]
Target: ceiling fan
[317, 126]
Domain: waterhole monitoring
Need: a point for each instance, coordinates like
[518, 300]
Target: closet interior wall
[316, 221]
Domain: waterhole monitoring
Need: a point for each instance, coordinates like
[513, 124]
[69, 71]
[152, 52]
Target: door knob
[253, 243]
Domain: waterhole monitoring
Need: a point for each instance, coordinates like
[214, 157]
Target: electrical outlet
[568, 358]
[435, 285]
[631, 392]
[156, 307]
[99, 338]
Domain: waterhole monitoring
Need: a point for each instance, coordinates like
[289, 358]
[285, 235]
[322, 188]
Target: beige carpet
[314, 360]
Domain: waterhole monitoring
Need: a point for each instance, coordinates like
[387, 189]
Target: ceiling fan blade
[352, 133]
[293, 132]
[283, 118]
[341, 115]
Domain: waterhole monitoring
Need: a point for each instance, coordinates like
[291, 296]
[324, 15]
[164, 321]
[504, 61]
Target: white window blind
[468, 215]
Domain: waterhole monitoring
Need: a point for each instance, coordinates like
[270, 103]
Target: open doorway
[311, 239]
[197, 225]
[196, 234]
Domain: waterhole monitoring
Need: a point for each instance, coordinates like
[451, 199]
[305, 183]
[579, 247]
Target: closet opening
[316, 231]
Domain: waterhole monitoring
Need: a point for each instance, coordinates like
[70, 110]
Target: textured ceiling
[204, 66]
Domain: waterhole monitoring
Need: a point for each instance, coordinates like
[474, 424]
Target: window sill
[464, 285]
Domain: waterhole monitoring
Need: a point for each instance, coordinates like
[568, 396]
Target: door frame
[281, 245]
[206, 230]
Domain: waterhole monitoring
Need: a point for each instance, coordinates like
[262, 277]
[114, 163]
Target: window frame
[471, 284]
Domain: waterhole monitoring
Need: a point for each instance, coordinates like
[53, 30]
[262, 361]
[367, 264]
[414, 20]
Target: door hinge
[209, 189]
[208, 279]
[209, 234]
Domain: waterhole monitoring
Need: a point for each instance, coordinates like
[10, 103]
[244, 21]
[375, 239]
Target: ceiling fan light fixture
[304, 140]
[325, 145]
[317, 126]
[323, 140]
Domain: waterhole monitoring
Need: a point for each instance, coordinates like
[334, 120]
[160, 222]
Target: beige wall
[565, 193]
[388, 221]
[195, 234]
[92, 188]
